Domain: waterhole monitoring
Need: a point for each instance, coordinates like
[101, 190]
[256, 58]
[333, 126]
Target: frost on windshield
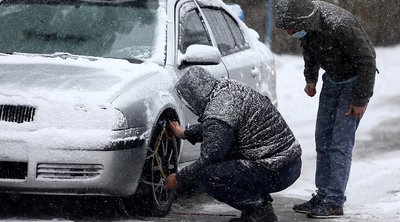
[87, 29]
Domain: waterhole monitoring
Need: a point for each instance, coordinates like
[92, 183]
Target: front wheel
[161, 160]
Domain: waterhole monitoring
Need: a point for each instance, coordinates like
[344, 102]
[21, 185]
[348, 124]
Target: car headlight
[120, 121]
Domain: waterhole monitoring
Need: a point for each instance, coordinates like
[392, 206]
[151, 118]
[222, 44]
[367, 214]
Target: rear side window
[236, 32]
[226, 31]
[192, 31]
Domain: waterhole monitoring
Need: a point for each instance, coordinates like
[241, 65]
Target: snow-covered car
[87, 90]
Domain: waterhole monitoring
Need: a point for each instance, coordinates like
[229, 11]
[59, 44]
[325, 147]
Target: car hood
[98, 81]
[71, 98]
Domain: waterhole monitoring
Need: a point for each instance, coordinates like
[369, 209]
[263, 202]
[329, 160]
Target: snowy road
[374, 188]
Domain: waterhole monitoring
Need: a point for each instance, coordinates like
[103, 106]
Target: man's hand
[310, 89]
[171, 182]
[177, 130]
[356, 111]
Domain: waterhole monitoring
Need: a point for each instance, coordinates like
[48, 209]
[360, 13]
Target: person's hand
[356, 111]
[171, 182]
[310, 89]
[177, 130]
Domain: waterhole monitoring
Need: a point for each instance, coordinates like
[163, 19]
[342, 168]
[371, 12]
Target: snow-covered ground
[373, 191]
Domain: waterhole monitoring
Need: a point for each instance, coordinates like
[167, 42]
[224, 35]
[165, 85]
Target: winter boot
[304, 208]
[243, 217]
[326, 210]
[262, 214]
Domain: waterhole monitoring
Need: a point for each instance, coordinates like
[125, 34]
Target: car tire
[161, 160]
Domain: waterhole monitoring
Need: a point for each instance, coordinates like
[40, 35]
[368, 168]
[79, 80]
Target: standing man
[247, 149]
[332, 39]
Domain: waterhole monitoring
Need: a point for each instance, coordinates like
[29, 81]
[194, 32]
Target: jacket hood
[195, 88]
[301, 14]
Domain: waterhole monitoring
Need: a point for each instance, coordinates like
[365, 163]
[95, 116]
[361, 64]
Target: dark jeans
[334, 137]
[246, 186]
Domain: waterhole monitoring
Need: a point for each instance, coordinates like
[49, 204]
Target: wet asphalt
[196, 208]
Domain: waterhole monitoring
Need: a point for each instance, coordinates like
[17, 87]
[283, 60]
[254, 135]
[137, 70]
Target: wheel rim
[164, 162]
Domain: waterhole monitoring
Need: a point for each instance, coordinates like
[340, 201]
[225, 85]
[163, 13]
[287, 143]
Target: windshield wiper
[63, 55]
[134, 60]
[66, 55]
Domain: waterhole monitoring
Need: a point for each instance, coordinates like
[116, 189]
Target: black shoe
[326, 210]
[243, 217]
[307, 206]
[263, 214]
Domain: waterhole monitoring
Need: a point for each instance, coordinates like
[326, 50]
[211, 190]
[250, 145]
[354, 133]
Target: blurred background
[380, 18]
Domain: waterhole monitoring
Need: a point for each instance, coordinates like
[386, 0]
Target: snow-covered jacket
[237, 122]
[335, 41]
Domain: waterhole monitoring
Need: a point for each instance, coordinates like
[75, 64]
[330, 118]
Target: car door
[241, 61]
[191, 29]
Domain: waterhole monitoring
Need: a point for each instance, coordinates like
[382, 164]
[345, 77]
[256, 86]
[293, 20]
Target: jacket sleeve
[217, 139]
[311, 65]
[194, 134]
[357, 46]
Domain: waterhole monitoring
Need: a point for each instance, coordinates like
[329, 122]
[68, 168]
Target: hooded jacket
[236, 123]
[335, 42]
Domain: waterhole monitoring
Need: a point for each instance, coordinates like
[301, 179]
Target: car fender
[144, 102]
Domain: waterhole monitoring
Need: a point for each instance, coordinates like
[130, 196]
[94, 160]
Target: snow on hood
[72, 97]
[68, 79]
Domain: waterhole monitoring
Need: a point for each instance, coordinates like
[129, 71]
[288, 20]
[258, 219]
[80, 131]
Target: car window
[192, 30]
[91, 29]
[236, 31]
[226, 31]
[222, 33]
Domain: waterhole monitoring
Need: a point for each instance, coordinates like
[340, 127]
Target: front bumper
[114, 169]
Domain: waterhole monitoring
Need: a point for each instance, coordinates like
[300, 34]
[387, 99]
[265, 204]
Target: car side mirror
[200, 55]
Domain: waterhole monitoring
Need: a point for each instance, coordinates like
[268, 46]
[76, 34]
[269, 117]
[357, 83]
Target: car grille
[13, 170]
[17, 113]
[56, 171]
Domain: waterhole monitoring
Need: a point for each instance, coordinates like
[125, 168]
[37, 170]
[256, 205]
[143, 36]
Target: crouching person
[247, 149]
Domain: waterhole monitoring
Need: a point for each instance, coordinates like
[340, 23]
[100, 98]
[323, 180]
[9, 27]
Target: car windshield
[100, 28]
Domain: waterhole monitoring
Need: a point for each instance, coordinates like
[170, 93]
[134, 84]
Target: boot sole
[324, 217]
[301, 211]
